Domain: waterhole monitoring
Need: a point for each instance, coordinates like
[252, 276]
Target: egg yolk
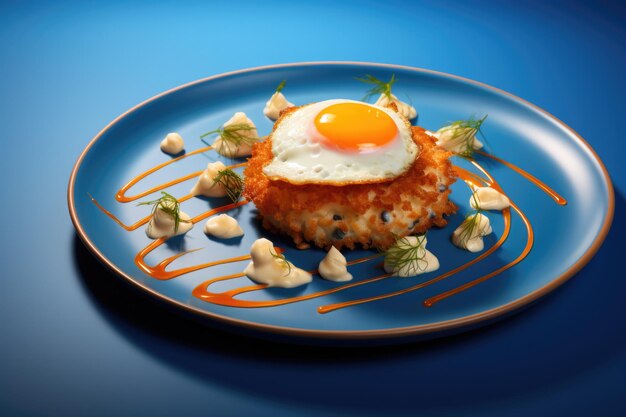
[355, 127]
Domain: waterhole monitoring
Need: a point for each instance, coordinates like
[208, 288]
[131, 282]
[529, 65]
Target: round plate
[566, 237]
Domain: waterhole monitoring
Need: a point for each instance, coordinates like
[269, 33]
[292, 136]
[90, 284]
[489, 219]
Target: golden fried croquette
[369, 215]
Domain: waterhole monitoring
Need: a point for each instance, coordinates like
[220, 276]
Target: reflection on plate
[533, 158]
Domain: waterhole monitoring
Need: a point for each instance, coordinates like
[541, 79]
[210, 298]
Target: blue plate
[566, 237]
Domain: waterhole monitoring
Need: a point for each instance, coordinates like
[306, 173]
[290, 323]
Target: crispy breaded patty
[370, 215]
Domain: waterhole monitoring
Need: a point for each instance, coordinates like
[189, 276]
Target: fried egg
[340, 142]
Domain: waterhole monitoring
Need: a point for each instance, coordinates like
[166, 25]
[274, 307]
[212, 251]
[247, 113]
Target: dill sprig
[379, 86]
[281, 86]
[469, 225]
[282, 260]
[169, 205]
[232, 183]
[471, 222]
[475, 199]
[463, 133]
[233, 134]
[405, 254]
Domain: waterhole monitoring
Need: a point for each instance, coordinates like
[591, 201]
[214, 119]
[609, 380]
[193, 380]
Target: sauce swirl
[159, 272]
[540, 184]
[228, 298]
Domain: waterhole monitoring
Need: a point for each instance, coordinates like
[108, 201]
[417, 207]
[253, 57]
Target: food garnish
[281, 259]
[474, 227]
[460, 136]
[379, 86]
[386, 98]
[270, 267]
[408, 255]
[223, 226]
[281, 86]
[169, 205]
[232, 134]
[173, 144]
[488, 198]
[334, 266]
[232, 183]
[277, 103]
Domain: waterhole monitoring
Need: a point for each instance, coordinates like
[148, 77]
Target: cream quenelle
[409, 257]
[243, 137]
[469, 235]
[458, 138]
[270, 268]
[334, 266]
[163, 224]
[275, 105]
[173, 144]
[487, 198]
[404, 109]
[223, 226]
[207, 184]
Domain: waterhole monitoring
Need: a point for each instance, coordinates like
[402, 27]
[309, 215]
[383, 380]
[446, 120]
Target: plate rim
[398, 332]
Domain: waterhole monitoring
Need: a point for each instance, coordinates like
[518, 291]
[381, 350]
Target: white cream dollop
[404, 109]
[173, 144]
[458, 139]
[334, 266]
[275, 105]
[423, 260]
[206, 184]
[223, 227]
[469, 235]
[487, 198]
[162, 224]
[273, 271]
[232, 150]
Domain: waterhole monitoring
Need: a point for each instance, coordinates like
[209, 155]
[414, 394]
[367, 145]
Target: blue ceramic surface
[515, 131]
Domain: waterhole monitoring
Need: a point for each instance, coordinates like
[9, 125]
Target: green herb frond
[471, 222]
[282, 260]
[403, 254]
[379, 86]
[281, 86]
[463, 133]
[169, 205]
[232, 183]
[476, 201]
[234, 134]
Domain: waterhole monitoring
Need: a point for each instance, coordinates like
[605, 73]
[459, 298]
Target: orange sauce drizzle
[530, 238]
[121, 194]
[540, 184]
[227, 298]
[506, 214]
[159, 272]
[429, 302]
[137, 224]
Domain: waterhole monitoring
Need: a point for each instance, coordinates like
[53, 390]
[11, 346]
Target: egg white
[300, 158]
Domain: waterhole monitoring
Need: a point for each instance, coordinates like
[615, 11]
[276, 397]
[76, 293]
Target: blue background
[77, 340]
